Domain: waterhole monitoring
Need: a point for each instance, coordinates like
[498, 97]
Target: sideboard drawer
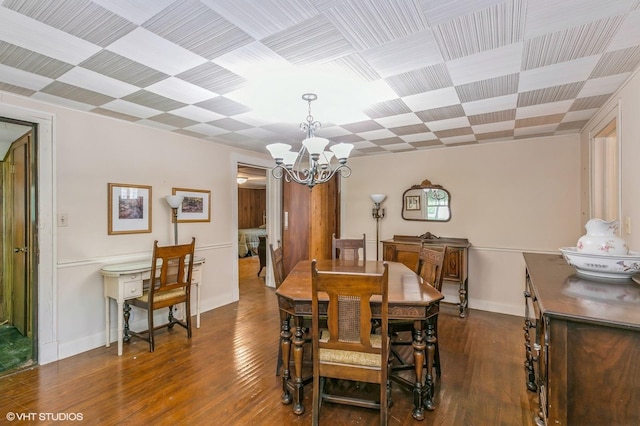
[132, 289]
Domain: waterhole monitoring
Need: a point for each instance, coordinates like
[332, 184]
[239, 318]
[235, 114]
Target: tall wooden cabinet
[310, 219]
[406, 249]
[582, 340]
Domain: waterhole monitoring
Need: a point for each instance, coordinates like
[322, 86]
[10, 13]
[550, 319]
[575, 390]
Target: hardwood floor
[225, 375]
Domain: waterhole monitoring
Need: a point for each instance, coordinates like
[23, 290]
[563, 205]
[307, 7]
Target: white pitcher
[601, 238]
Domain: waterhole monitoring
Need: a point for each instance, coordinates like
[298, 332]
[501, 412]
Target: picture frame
[129, 208]
[412, 202]
[196, 206]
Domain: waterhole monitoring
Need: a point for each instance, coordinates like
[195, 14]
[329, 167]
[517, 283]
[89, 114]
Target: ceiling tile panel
[444, 113]
[147, 48]
[549, 94]
[81, 18]
[30, 34]
[617, 62]
[487, 29]
[312, 41]
[213, 78]
[491, 88]
[194, 26]
[376, 22]
[173, 120]
[153, 100]
[493, 117]
[75, 93]
[419, 81]
[123, 69]
[33, 62]
[262, 18]
[567, 45]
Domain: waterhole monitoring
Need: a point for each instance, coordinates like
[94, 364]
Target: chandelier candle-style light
[312, 164]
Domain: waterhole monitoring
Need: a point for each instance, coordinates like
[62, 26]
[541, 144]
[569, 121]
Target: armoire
[310, 218]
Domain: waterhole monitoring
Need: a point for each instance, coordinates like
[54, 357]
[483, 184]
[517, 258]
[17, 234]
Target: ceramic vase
[601, 238]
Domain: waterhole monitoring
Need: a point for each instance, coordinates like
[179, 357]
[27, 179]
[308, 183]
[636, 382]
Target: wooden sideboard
[406, 249]
[582, 340]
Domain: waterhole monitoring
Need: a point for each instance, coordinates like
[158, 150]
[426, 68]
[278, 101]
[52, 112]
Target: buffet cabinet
[582, 345]
[406, 249]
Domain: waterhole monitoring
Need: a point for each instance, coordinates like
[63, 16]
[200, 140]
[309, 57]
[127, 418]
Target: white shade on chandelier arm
[315, 145]
[278, 150]
[174, 201]
[289, 158]
[325, 158]
[342, 150]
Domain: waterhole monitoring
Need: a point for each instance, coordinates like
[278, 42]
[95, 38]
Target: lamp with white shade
[377, 213]
[174, 202]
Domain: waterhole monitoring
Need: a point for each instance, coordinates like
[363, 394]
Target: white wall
[91, 151]
[506, 198]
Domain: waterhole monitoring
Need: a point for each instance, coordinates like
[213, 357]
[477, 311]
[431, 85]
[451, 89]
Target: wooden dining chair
[430, 269]
[168, 288]
[348, 248]
[346, 349]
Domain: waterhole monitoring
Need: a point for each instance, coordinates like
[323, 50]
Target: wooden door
[19, 223]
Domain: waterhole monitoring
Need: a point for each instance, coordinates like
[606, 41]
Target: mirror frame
[426, 184]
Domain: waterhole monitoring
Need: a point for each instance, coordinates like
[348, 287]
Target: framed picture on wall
[412, 202]
[129, 208]
[196, 205]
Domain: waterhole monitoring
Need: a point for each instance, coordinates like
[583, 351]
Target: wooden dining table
[409, 299]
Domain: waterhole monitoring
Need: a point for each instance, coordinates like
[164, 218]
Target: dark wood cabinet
[582, 340]
[405, 249]
[310, 217]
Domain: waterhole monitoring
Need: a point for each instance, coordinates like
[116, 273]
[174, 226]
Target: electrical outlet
[63, 220]
[627, 225]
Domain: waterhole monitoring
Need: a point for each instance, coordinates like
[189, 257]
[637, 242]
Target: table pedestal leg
[298, 352]
[418, 362]
[285, 345]
[431, 350]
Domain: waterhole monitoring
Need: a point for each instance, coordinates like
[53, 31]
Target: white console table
[123, 281]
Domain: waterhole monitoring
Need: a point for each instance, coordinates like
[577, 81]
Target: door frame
[274, 208]
[45, 279]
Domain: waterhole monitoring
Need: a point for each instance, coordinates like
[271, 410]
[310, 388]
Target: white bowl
[611, 266]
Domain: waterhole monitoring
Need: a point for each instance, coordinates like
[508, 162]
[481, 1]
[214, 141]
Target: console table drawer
[132, 289]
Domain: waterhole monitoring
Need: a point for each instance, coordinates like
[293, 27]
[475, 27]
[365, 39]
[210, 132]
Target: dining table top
[405, 286]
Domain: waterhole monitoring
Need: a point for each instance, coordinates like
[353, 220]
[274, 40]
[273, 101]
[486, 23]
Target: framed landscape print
[196, 205]
[129, 208]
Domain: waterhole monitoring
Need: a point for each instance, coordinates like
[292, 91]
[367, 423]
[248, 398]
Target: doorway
[17, 256]
[252, 220]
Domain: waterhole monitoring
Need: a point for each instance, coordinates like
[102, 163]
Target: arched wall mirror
[426, 202]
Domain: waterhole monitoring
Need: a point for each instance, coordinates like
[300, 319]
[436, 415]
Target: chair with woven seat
[348, 248]
[168, 288]
[430, 268]
[346, 349]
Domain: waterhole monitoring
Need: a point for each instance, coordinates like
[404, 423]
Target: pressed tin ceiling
[391, 75]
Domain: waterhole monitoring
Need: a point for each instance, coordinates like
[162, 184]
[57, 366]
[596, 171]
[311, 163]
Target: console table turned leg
[285, 346]
[418, 362]
[463, 298]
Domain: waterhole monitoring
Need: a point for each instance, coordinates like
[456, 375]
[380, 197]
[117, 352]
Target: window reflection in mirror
[427, 202]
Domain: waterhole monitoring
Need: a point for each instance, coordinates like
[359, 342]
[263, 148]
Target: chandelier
[312, 165]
